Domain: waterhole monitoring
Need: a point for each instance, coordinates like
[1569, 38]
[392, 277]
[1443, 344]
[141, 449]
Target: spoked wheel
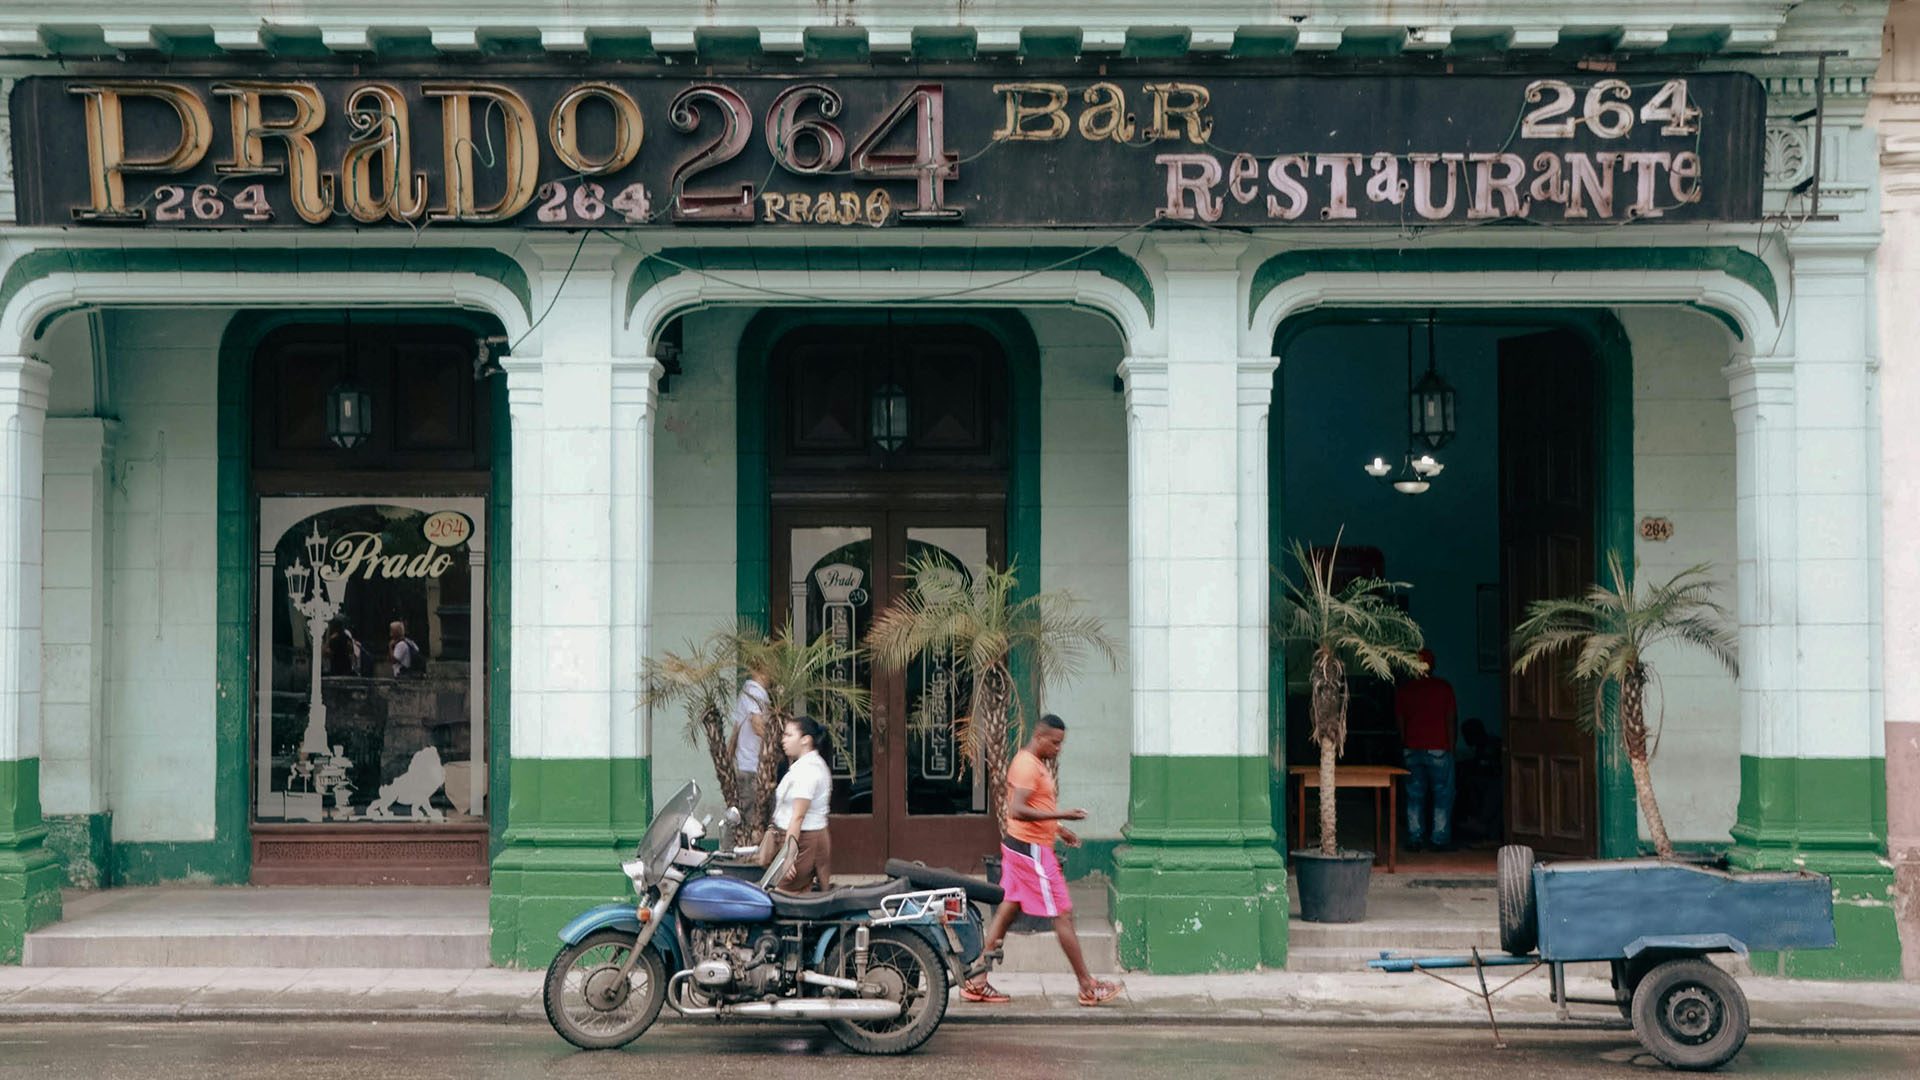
[906, 970]
[588, 1002]
[1690, 1014]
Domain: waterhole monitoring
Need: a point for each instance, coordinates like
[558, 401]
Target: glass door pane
[370, 661]
[939, 692]
[830, 590]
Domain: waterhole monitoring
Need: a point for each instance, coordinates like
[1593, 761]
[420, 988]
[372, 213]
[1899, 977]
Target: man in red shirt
[1425, 710]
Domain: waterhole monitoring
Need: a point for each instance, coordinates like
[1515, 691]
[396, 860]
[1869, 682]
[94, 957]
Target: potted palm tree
[1356, 625]
[1609, 632]
[801, 677]
[983, 624]
[704, 680]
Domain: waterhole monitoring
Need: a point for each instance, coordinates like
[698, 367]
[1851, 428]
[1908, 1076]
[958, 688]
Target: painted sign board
[867, 152]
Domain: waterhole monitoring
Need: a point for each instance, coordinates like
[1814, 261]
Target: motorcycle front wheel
[909, 972]
[588, 1002]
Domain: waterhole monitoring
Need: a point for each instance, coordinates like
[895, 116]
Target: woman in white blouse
[800, 806]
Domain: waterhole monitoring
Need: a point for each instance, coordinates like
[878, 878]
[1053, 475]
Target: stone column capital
[1145, 379]
[1255, 379]
[636, 383]
[1200, 252]
[24, 381]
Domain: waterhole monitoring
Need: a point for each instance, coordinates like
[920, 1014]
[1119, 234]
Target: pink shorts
[1030, 875]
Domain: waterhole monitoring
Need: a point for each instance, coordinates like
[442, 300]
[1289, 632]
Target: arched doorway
[888, 440]
[369, 749]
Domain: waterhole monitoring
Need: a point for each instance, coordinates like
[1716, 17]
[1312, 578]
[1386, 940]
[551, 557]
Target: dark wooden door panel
[1547, 517]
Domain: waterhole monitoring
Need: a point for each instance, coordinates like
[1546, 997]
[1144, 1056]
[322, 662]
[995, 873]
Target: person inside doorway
[1425, 710]
[1029, 869]
[1480, 773]
[749, 721]
[405, 654]
[800, 806]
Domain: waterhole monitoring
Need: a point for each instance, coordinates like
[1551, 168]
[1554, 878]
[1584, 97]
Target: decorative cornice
[928, 29]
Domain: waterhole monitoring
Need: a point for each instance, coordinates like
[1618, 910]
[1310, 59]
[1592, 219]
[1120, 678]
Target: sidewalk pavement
[508, 996]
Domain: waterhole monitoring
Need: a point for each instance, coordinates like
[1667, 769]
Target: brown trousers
[812, 864]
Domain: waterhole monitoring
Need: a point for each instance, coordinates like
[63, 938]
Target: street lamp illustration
[316, 588]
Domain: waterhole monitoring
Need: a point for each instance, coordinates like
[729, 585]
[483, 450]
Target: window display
[371, 660]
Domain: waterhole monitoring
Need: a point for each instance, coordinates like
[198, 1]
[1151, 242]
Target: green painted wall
[29, 870]
[84, 843]
[1828, 815]
[570, 823]
[1198, 883]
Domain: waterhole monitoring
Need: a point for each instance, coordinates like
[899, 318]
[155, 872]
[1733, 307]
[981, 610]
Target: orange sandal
[1101, 993]
[984, 994]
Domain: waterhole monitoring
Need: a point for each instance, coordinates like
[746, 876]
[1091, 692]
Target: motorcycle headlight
[636, 871]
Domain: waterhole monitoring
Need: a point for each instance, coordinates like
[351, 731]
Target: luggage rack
[917, 906]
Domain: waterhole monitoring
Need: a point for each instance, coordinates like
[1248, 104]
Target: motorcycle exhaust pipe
[814, 1009]
[788, 1009]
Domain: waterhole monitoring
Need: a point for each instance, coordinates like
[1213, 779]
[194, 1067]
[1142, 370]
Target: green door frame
[752, 515]
[227, 858]
[1612, 527]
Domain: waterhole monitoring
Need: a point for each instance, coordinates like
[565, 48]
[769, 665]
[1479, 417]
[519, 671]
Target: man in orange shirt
[1029, 870]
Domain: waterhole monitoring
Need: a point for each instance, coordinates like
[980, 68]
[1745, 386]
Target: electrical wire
[562, 287]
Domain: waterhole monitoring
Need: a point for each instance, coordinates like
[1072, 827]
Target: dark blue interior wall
[1344, 400]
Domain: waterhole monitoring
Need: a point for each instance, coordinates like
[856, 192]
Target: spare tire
[932, 877]
[1519, 924]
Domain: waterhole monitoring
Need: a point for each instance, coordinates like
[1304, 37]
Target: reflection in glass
[371, 706]
[940, 691]
[829, 592]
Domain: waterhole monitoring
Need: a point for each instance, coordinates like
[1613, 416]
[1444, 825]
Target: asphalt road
[215, 1051]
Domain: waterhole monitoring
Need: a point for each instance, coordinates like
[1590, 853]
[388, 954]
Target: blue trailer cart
[1656, 923]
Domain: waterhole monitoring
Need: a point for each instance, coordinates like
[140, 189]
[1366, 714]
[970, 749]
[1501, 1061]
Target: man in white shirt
[749, 725]
[800, 806]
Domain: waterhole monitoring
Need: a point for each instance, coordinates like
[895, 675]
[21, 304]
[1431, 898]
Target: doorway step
[283, 927]
[1413, 913]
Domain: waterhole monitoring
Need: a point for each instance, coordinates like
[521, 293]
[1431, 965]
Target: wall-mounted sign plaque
[862, 152]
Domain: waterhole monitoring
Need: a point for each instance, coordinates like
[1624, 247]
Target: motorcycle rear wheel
[586, 1000]
[903, 962]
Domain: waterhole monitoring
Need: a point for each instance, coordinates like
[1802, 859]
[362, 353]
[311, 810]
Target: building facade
[381, 387]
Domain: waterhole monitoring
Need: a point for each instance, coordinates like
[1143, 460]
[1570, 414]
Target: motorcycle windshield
[663, 835]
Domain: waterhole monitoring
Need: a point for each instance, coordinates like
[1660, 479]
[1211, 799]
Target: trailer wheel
[1519, 927]
[1690, 1014]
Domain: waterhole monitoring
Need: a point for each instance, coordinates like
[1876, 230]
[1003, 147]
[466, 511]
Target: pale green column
[581, 421]
[1813, 774]
[29, 871]
[1198, 883]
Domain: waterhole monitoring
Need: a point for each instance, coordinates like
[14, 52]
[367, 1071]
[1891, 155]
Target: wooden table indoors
[1355, 776]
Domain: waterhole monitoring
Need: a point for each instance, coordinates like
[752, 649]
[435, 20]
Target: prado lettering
[874, 152]
[362, 551]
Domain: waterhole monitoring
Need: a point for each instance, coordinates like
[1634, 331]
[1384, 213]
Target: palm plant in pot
[803, 678]
[800, 677]
[982, 623]
[1344, 627]
[1609, 632]
[704, 681]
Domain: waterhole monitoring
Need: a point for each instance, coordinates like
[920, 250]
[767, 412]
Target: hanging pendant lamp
[349, 408]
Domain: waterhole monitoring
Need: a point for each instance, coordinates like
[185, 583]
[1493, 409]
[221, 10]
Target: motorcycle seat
[934, 877]
[855, 900]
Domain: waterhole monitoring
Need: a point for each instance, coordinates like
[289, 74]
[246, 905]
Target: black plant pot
[1023, 923]
[1333, 888]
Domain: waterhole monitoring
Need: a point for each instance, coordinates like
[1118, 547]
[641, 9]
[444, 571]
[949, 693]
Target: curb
[531, 1015]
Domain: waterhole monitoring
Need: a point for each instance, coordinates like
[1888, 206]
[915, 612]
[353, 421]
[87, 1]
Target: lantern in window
[349, 414]
[890, 417]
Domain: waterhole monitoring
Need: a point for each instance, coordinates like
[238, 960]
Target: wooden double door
[901, 788]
